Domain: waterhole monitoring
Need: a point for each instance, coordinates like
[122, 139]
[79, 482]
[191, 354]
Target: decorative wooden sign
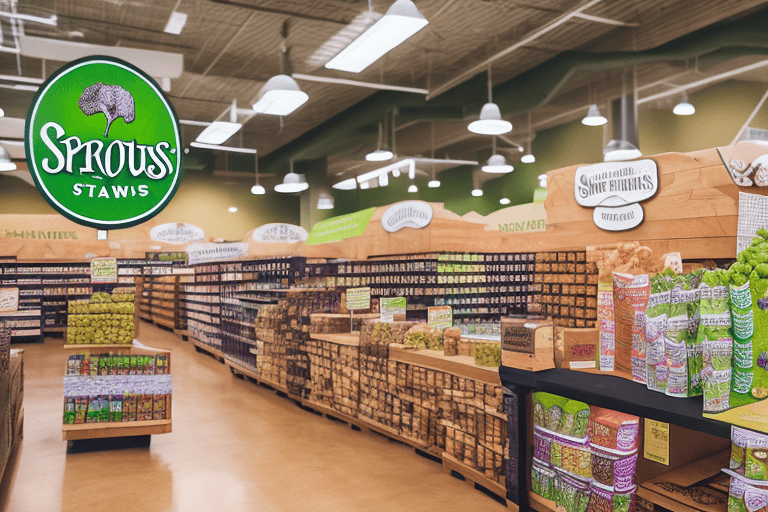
[614, 189]
[204, 253]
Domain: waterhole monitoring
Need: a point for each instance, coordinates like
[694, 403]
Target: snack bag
[630, 297]
[656, 313]
[605, 318]
[715, 339]
[81, 408]
[676, 337]
[116, 408]
[69, 410]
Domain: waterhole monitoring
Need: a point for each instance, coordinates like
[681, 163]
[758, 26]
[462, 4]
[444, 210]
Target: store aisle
[234, 447]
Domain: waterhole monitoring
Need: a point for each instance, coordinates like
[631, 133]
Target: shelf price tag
[9, 299]
[656, 442]
[104, 270]
[358, 298]
[391, 307]
[440, 317]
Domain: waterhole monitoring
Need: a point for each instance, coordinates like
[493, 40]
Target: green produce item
[423, 337]
[488, 354]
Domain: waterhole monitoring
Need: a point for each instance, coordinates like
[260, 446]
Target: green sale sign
[103, 144]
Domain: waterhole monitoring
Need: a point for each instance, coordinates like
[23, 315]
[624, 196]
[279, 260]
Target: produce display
[488, 354]
[583, 457]
[103, 319]
[421, 336]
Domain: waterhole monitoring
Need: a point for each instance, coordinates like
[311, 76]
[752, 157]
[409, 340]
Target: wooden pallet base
[211, 351]
[104, 430]
[474, 478]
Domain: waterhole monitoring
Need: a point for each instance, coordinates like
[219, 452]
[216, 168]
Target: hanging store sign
[391, 307]
[341, 227]
[746, 162]
[614, 189]
[205, 253]
[276, 233]
[358, 298]
[176, 233]
[103, 143]
[408, 214]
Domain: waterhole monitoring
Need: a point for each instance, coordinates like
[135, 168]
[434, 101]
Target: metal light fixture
[292, 183]
[413, 188]
[434, 184]
[490, 122]
[232, 209]
[380, 155]
[497, 164]
[325, 201]
[280, 96]
[401, 21]
[257, 189]
[504, 200]
[6, 164]
[528, 157]
[543, 180]
[2, 112]
[593, 117]
[477, 192]
[619, 150]
[175, 23]
[684, 108]
[348, 184]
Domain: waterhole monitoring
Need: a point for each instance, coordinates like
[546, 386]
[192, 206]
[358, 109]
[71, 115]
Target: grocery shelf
[618, 394]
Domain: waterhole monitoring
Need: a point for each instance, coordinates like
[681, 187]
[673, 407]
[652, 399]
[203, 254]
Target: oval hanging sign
[616, 183]
[176, 233]
[408, 214]
[103, 143]
[277, 232]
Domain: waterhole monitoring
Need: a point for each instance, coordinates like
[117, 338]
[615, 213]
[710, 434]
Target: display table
[159, 419]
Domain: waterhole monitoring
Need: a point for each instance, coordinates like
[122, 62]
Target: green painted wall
[720, 112]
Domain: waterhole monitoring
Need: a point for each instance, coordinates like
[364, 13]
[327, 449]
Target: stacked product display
[748, 469]
[103, 319]
[584, 457]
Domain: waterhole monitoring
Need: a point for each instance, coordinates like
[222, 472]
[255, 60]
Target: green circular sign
[103, 143]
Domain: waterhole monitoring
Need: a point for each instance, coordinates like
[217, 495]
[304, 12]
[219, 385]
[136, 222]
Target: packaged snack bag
[116, 408]
[630, 298]
[613, 430]
[69, 410]
[543, 480]
[81, 409]
[571, 494]
[656, 314]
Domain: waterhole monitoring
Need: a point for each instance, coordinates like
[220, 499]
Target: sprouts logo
[103, 144]
[408, 214]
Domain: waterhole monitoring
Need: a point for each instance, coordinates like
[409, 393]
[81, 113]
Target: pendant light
[2, 112]
[348, 184]
[257, 189]
[292, 183]
[543, 180]
[477, 192]
[413, 188]
[684, 108]
[504, 200]
[434, 182]
[6, 164]
[528, 157]
[497, 164]
[380, 155]
[620, 150]
[325, 201]
[490, 122]
[593, 117]
[281, 95]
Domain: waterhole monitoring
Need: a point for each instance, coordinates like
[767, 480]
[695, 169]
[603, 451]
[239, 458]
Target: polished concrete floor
[234, 447]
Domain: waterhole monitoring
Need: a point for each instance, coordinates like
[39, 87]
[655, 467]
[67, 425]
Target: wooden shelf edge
[539, 504]
[105, 430]
[474, 475]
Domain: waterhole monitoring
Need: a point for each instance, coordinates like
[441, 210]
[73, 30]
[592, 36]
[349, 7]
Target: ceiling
[232, 47]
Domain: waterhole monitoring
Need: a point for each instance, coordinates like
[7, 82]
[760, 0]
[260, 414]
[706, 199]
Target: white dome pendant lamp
[292, 183]
[490, 122]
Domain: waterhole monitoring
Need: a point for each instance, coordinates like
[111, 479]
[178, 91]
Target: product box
[695, 487]
[527, 344]
[577, 349]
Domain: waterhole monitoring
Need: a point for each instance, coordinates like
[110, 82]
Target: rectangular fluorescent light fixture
[152, 62]
[218, 132]
[202, 145]
[401, 22]
[175, 23]
[342, 38]
[391, 167]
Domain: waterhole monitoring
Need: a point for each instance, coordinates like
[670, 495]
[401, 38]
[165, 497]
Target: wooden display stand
[14, 383]
[126, 428]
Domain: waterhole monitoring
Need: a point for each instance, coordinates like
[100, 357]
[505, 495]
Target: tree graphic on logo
[112, 100]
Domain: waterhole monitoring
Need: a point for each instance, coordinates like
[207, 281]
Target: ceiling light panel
[402, 21]
[343, 38]
[218, 132]
[175, 23]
